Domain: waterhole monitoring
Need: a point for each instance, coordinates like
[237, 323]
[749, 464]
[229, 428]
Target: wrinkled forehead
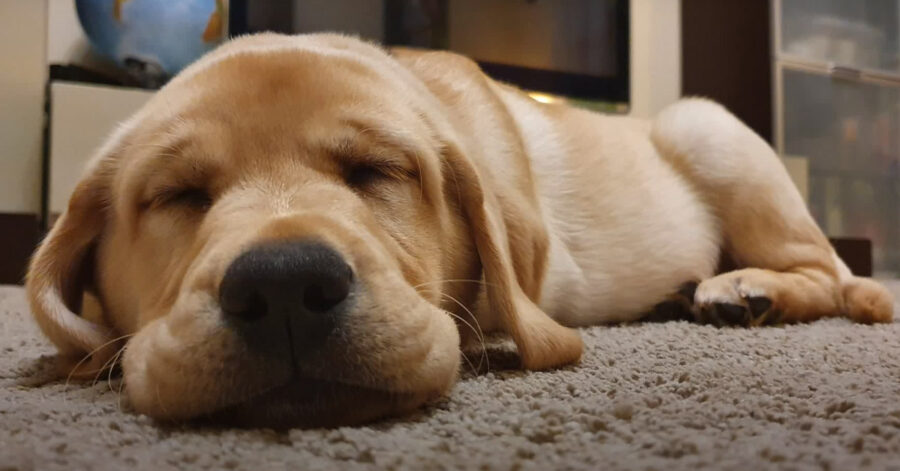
[259, 112]
[255, 92]
[283, 101]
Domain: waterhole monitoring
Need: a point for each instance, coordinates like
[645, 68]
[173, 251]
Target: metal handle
[845, 73]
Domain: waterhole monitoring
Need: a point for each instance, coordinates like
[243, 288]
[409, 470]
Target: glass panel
[853, 33]
[850, 133]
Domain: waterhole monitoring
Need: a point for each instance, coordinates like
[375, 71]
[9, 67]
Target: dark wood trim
[19, 235]
[580, 86]
[726, 56]
[856, 253]
[46, 134]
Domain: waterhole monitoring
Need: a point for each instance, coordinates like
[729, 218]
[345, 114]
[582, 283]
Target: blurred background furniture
[81, 115]
[818, 79]
[837, 104]
[578, 49]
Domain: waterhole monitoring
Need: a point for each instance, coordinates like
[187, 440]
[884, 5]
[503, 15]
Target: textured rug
[648, 396]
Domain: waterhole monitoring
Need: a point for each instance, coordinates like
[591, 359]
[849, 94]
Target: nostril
[247, 305]
[320, 297]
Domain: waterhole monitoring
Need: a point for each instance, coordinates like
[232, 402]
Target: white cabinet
[837, 104]
[81, 117]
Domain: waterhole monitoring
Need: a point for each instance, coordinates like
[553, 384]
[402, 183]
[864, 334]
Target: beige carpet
[656, 396]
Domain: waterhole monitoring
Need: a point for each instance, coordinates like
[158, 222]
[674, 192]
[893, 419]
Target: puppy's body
[285, 230]
[634, 209]
[621, 243]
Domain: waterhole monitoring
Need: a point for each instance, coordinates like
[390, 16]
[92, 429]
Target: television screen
[573, 48]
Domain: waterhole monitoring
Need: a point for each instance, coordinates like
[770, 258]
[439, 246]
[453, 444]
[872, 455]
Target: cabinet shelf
[838, 71]
[837, 103]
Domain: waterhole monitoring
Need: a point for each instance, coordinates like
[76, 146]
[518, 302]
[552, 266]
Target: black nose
[292, 286]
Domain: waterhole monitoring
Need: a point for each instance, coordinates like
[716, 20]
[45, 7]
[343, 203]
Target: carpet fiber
[653, 396]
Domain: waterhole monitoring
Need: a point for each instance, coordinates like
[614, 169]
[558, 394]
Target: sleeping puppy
[304, 230]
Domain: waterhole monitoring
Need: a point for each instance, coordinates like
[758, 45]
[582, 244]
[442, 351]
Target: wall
[22, 77]
[655, 55]
[66, 42]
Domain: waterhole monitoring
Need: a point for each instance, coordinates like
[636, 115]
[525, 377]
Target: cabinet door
[849, 131]
[81, 118]
[861, 34]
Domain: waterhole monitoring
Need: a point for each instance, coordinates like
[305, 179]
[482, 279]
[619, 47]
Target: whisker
[479, 333]
[119, 393]
[110, 363]
[159, 399]
[421, 178]
[109, 377]
[452, 173]
[115, 362]
[481, 282]
[87, 356]
[102, 369]
[148, 145]
[445, 294]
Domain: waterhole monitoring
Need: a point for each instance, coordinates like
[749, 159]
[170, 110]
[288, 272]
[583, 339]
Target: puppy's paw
[733, 299]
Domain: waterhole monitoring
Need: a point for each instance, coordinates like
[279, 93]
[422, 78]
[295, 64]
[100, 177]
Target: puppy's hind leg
[790, 272]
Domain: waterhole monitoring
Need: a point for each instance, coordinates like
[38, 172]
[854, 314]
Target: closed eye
[365, 175]
[194, 198]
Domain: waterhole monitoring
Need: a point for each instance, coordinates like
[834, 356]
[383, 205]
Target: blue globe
[153, 39]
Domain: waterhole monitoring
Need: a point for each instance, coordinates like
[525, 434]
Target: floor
[666, 396]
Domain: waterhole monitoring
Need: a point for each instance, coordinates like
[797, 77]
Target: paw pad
[678, 306]
[753, 311]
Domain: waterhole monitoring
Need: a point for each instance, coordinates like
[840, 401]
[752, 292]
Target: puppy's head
[270, 239]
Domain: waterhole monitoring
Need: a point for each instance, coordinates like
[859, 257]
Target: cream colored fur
[492, 212]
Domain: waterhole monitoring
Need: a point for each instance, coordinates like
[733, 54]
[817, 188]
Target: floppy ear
[58, 274]
[541, 341]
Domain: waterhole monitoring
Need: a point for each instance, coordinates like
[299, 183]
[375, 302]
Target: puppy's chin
[309, 403]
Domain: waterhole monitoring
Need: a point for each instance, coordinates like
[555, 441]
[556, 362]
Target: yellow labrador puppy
[303, 229]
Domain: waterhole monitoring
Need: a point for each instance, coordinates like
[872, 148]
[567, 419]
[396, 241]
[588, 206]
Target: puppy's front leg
[790, 273]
